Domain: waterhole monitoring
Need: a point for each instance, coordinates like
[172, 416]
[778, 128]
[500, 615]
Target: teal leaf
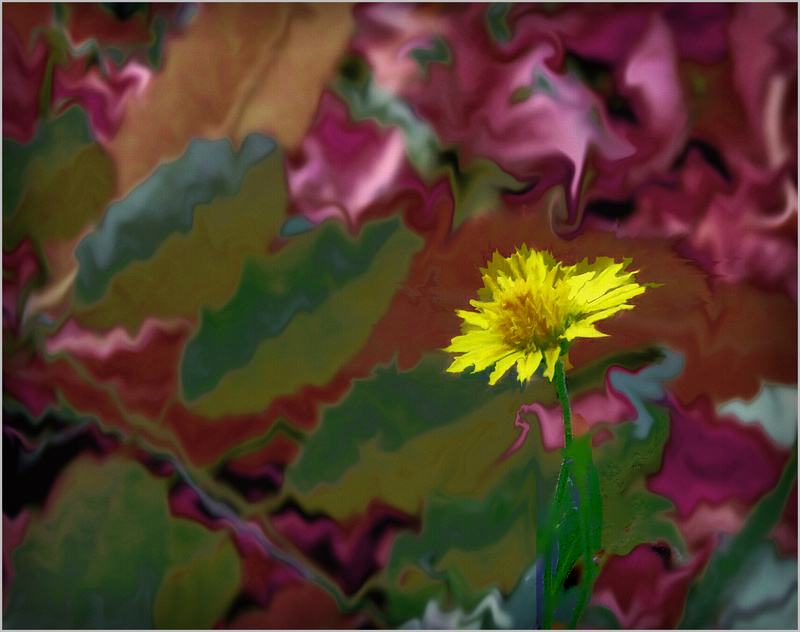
[134, 228]
[496, 21]
[438, 53]
[55, 144]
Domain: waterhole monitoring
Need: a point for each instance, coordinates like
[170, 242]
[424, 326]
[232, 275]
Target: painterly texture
[235, 240]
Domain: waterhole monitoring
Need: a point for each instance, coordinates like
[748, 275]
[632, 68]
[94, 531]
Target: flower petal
[593, 318]
[473, 340]
[550, 358]
[527, 365]
[582, 329]
[503, 366]
[616, 296]
[480, 359]
[473, 318]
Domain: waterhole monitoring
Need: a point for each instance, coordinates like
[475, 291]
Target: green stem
[560, 382]
[560, 501]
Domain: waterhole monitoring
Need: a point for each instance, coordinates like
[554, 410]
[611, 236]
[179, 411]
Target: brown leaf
[239, 68]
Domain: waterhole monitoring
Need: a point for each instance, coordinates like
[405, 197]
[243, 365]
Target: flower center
[533, 316]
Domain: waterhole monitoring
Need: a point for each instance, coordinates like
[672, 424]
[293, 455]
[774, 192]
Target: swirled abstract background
[234, 240]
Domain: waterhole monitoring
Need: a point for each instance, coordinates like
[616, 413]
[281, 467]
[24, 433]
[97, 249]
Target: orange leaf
[239, 68]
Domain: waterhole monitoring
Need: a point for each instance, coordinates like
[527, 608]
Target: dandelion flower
[532, 307]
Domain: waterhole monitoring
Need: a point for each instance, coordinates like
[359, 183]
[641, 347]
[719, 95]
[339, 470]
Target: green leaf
[496, 21]
[183, 273]
[299, 305]
[709, 595]
[204, 574]
[135, 227]
[429, 442]
[106, 554]
[272, 293]
[81, 564]
[631, 513]
[62, 203]
[599, 617]
[55, 146]
[391, 406]
[571, 533]
[438, 53]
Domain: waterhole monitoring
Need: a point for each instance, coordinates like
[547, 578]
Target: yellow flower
[532, 307]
